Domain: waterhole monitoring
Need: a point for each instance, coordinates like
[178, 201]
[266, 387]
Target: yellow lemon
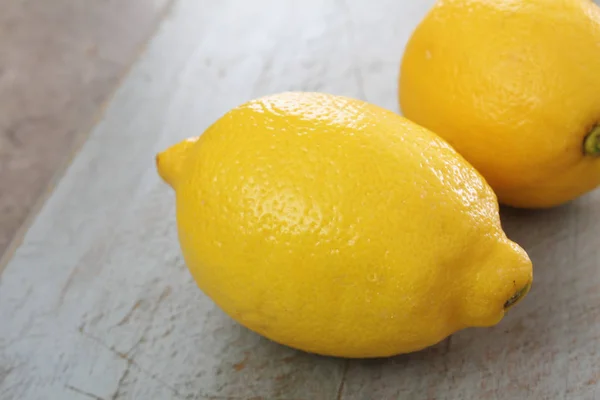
[337, 227]
[514, 86]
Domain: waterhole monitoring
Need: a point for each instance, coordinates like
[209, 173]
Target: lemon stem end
[591, 144]
[518, 296]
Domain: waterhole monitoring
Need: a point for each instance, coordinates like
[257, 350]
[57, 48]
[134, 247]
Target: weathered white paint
[97, 303]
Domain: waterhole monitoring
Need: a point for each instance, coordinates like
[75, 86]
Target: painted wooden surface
[97, 303]
[60, 61]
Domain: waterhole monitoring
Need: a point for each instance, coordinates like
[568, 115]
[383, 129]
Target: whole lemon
[337, 227]
[514, 86]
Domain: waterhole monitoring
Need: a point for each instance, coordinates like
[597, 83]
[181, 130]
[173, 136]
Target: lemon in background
[514, 87]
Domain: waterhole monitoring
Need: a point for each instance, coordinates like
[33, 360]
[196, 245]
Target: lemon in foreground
[514, 87]
[337, 227]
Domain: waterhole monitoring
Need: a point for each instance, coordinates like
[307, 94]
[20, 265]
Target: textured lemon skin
[514, 86]
[337, 227]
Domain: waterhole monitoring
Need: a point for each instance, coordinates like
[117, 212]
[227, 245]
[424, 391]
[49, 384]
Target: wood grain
[97, 303]
[60, 61]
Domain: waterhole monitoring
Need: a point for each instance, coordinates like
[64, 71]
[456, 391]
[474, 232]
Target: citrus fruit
[340, 228]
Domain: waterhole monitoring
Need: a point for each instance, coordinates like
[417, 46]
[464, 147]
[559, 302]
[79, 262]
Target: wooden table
[98, 304]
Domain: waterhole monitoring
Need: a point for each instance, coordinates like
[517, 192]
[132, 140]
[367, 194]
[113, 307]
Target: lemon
[513, 86]
[340, 228]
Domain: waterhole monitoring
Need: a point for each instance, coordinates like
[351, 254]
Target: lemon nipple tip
[169, 163]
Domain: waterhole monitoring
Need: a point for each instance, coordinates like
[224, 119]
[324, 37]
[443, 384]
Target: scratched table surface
[97, 303]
